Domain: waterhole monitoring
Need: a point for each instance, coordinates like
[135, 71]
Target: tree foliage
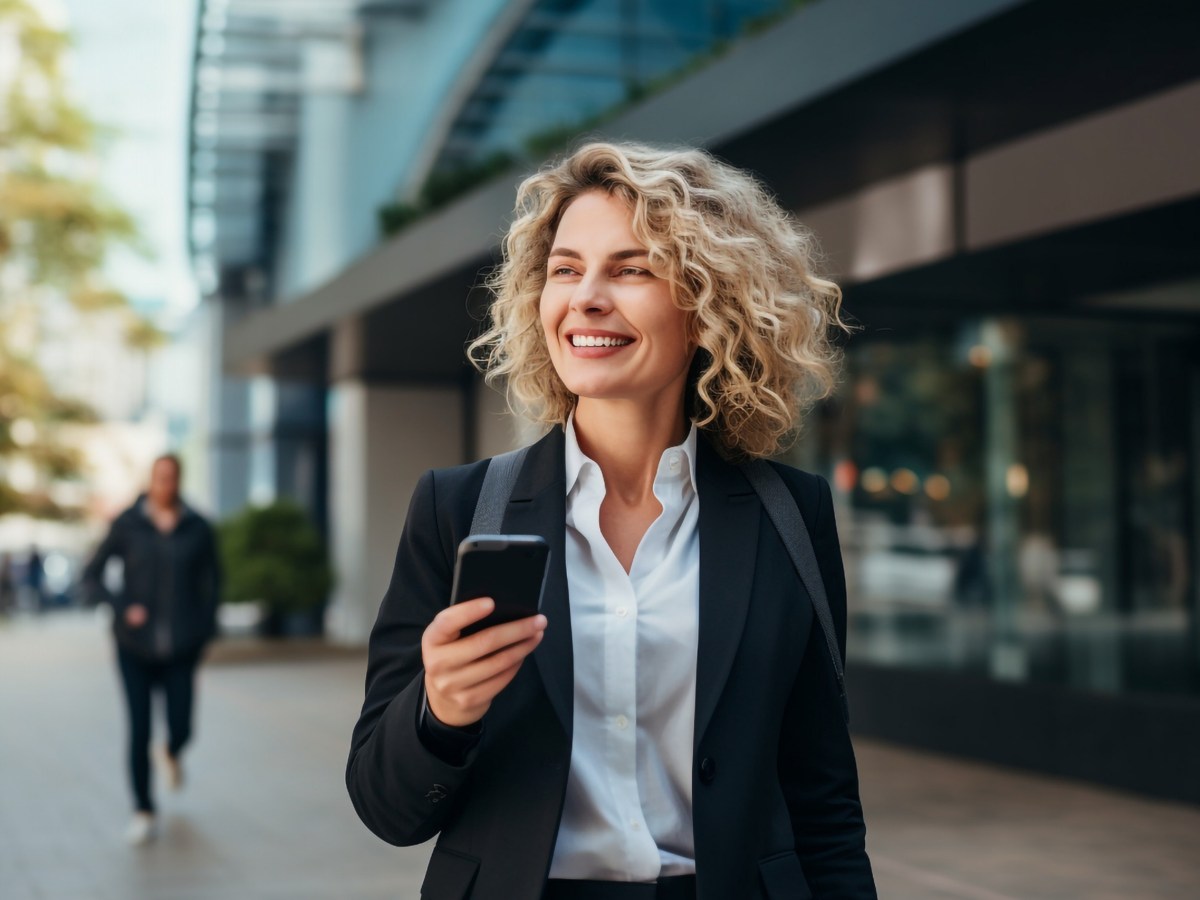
[56, 228]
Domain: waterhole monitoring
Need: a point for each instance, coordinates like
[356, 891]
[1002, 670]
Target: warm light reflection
[1016, 479]
[874, 480]
[866, 391]
[937, 487]
[979, 356]
[905, 481]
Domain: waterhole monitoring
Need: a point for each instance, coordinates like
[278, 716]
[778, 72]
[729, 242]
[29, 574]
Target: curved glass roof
[569, 61]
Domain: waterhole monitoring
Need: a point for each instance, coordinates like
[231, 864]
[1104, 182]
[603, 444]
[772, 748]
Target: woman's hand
[463, 675]
[135, 615]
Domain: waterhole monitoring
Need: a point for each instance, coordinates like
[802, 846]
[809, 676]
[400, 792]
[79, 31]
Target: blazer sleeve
[401, 790]
[210, 581]
[817, 767]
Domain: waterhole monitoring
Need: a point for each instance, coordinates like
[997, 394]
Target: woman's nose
[590, 296]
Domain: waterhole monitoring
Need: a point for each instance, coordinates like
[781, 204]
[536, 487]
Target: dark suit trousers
[140, 676]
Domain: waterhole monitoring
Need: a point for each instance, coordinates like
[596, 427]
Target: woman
[678, 732]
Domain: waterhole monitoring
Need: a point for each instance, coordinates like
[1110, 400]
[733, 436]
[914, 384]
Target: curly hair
[762, 319]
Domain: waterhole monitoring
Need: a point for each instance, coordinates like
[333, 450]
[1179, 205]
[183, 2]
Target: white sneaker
[142, 830]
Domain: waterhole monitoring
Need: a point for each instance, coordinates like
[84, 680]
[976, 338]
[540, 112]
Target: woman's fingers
[449, 623]
[462, 700]
[464, 674]
[468, 679]
[438, 652]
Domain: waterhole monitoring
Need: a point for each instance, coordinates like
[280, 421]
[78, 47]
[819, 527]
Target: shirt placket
[620, 614]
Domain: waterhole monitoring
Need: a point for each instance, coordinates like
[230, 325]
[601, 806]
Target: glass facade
[571, 60]
[1018, 499]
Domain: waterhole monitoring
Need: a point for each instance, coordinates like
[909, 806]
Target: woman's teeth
[587, 340]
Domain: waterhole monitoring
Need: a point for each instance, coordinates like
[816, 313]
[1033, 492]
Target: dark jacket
[776, 812]
[176, 576]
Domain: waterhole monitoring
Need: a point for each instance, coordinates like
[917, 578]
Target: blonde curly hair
[742, 267]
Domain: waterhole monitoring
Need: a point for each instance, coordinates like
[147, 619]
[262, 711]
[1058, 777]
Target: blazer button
[708, 769]
[437, 793]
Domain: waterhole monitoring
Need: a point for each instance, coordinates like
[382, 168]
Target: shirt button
[622, 611]
[673, 461]
[622, 722]
[635, 824]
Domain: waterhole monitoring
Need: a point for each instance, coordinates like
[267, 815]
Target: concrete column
[496, 429]
[381, 439]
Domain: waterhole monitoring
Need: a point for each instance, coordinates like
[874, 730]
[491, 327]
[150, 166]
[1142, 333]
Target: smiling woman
[741, 270]
[680, 733]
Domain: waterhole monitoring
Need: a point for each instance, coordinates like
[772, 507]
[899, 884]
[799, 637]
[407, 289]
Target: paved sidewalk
[265, 814]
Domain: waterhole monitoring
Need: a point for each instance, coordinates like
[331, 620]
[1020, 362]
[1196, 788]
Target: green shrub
[274, 555]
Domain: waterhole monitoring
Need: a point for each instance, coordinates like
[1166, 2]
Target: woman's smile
[592, 344]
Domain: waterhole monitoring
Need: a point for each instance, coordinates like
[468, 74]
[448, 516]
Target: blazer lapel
[729, 520]
[538, 505]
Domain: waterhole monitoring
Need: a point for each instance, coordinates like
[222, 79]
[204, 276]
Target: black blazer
[775, 807]
[185, 561]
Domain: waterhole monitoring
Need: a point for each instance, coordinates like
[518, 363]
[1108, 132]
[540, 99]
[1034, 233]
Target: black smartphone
[509, 568]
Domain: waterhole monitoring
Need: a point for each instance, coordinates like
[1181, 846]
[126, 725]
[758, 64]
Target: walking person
[8, 584]
[163, 616]
[34, 580]
[679, 730]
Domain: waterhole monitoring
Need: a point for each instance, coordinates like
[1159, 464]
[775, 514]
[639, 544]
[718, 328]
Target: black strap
[498, 486]
[785, 515]
[778, 501]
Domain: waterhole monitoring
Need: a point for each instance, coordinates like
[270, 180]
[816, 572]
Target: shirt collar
[577, 460]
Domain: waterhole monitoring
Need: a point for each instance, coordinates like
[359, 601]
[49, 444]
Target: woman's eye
[563, 270]
[631, 270]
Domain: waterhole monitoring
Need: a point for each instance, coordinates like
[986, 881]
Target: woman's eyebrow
[631, 253]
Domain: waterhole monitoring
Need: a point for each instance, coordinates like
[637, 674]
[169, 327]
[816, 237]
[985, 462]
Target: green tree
[56, 228]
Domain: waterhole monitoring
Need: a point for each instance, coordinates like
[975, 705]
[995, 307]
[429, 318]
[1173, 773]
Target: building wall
[357, 151]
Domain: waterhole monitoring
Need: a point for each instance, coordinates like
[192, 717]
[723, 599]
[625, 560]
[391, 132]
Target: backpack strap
[498, 484]
[785, 515]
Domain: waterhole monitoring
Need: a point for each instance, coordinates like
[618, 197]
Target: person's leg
[137, 677]
[179, 678]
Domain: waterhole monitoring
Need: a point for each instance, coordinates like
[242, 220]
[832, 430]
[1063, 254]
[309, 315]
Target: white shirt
[628, 809]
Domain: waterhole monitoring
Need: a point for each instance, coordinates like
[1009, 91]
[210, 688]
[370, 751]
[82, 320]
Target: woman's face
[611, 327]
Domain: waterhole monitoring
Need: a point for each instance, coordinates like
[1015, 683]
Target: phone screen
[509, 568]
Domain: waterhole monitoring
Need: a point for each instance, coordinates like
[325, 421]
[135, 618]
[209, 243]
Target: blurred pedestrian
[8, 587]
[164, 615]
[680, 731]
[33, 580]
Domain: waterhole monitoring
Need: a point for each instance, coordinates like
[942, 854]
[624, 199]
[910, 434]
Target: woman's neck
[627, 440]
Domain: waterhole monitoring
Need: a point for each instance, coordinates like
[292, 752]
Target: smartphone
[509, 568]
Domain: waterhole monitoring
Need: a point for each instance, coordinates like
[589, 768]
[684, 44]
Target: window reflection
[1017, 499]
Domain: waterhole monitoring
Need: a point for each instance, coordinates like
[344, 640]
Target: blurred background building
[1007, 190]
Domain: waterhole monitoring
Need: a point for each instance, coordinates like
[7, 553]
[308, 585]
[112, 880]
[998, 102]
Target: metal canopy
[254, 62]
[569, 60]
